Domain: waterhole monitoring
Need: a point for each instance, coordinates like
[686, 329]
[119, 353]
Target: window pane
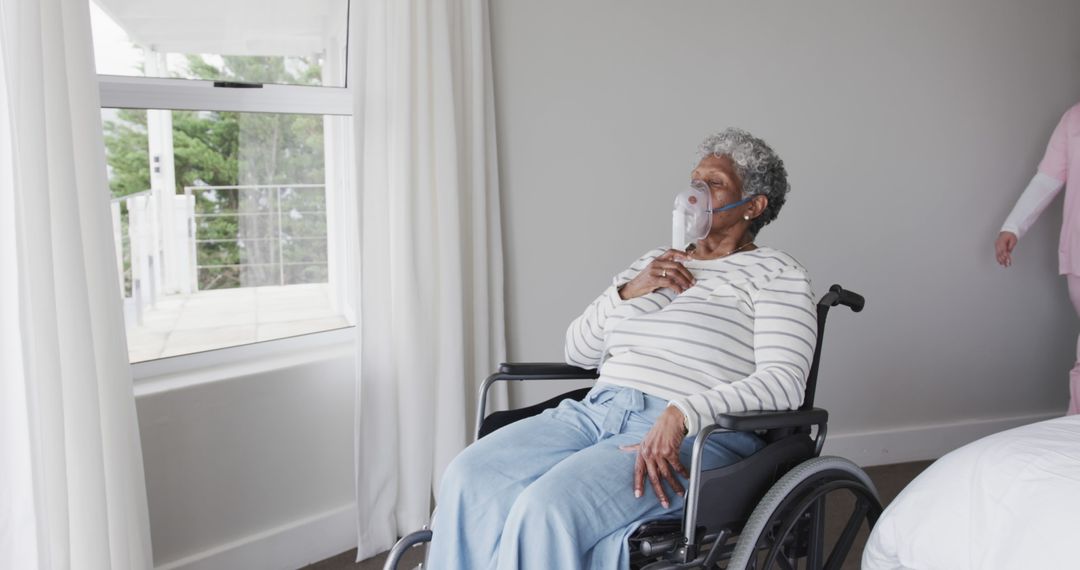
[296, 42]
[221, 226]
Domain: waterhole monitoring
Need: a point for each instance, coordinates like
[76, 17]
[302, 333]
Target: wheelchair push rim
[787, 528]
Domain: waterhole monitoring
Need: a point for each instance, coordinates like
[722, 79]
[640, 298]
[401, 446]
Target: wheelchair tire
[790, 503]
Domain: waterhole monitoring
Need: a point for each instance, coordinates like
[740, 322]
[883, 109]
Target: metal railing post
[280, 249]
[193, 263]
[153, 280]
[136, 296]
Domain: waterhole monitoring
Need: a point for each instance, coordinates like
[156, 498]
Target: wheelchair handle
[837, 295]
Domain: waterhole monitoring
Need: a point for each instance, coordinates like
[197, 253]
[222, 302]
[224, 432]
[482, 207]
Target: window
[228, 136]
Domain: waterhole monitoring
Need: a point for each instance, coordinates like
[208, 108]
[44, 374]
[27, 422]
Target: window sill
[185, 371]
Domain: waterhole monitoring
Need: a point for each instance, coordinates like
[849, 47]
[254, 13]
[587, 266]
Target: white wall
[908, 129]
[249, 459]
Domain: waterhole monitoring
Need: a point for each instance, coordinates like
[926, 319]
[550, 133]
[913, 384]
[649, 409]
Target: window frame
[220, 364]
[118, 91]
[178, 94]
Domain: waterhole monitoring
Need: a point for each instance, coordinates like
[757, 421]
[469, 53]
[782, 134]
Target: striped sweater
[742, 338]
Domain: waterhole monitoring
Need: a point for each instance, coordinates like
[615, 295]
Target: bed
[1009, 500]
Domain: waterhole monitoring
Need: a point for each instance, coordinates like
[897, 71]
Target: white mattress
[1010, 500]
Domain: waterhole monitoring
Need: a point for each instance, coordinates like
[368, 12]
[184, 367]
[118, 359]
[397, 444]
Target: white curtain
[431, 318]
[72, 493]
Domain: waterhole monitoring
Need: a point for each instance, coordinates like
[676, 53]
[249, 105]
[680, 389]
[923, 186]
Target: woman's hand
[1003, 248]
[664, 271]
[658, 455]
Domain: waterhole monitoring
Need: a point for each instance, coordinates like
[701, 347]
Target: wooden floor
[889, 480]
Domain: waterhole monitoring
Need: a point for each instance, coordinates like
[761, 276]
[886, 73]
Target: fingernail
[665, 503]
[637, 494]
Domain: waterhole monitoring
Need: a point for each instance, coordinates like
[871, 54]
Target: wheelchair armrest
[517, 371]
[754, 421]
[543, 371]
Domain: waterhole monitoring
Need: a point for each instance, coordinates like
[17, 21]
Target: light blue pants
[555, 490]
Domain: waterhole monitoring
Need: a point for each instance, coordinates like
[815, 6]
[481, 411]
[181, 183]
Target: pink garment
[1074, 374]
[1074, 391]
[1063, 156]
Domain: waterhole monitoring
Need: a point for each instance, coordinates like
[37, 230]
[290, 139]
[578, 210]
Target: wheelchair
[766, 511]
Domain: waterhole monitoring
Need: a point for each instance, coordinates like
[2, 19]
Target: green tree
[127, 149]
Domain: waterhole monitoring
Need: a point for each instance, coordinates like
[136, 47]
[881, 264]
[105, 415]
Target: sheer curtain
[72, 493]
[431, 319]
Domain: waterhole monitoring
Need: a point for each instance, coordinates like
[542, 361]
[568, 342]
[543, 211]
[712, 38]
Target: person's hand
[658, 456]
[664, 271]
[1003, 248]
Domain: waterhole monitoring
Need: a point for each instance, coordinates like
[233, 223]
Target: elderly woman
[679, 337]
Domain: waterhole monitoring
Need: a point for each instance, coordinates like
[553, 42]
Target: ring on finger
[663, 274]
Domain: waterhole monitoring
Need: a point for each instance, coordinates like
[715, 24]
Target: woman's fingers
[658, 469]
[1003, 258]
[1003, 248]
[639, 476]
[671, 261]
[687, 277]
[666, 271]
[673, 254]
[654, 478]
[664, 467]
[658, 458]
[677, 465]
[674, 275]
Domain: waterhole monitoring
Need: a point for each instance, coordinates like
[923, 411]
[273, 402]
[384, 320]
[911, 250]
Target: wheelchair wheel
[787, 528]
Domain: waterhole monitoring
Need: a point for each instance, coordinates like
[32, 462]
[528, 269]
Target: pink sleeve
[1055, 163]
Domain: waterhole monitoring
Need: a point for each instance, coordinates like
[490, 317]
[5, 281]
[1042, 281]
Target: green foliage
[127, 148]
[229, 149]
[205, 148]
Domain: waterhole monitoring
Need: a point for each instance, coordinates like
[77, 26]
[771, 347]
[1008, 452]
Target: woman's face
[718, 172]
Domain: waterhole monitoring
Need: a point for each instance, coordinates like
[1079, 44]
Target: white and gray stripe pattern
[741, 339]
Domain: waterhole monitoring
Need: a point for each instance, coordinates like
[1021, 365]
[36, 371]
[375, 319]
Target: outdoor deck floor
[183, 324]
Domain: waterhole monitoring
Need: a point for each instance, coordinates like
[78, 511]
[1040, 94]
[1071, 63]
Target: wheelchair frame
[792, 500]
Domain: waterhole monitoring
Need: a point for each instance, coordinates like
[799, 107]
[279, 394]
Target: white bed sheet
[1008, 501]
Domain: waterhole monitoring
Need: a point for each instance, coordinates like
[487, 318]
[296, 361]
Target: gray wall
[908, 129]
[246, 469]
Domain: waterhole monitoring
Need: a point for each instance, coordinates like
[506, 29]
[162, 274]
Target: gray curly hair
[759, 168]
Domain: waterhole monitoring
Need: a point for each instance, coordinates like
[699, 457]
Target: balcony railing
[218, 237]
[257, 235]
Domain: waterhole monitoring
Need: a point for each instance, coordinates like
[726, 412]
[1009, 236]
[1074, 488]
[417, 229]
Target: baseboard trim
[286, 547]
[921, 442]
